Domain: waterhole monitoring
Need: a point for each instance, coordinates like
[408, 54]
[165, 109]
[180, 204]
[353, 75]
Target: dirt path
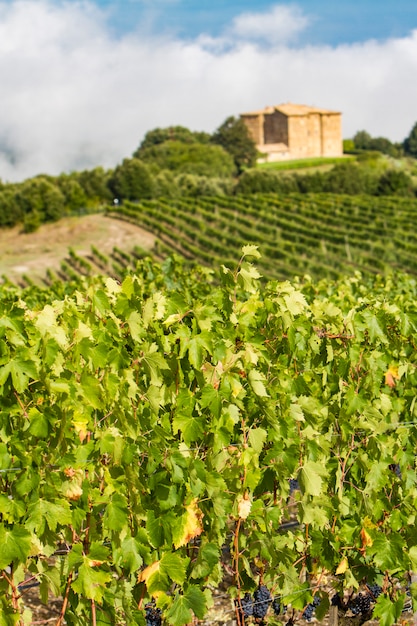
[33, 253]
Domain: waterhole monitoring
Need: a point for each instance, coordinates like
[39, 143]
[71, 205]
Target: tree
[395, 183]
[172, 133]
[39, 195]
[265, 181]
[362, 140]
[349, 178]
[190, 158]
[132, 180]
[10, 212]
[410, 143]
[95, 184]
[233, 136]
[75, 196]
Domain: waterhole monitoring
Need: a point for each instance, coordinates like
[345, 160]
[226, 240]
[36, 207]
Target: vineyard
[323, 235]
[185, 430]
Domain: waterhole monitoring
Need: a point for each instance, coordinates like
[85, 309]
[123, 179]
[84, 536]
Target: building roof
[289, 109]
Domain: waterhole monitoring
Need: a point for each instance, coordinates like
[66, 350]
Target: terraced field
[323, 235]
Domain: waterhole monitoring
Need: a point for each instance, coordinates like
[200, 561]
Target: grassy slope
[34, 253]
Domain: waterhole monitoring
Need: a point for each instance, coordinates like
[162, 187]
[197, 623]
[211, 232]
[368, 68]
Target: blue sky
[84, 80]
[332, 21]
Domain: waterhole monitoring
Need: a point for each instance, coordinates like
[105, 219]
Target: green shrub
[193, 158]
[193, 186]
[265, 181]
[132, 180]
[31, 222]
[395, 183]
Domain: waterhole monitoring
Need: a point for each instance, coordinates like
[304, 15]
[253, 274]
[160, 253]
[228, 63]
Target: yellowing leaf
[94, 562]
[192, 527]
[72, 490]
[366, 539]
[80, 427]
[343, 566]
[145, 574]
[368, 523]
[244, 506]
[391, 375]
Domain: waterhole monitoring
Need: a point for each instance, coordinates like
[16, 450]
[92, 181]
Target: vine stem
[93, 613]
[15, 594]
[65, 602]
[413, 577]
[238, 608]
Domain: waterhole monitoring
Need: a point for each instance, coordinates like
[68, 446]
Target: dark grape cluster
[375, 590]
[294, 485]
[337, 601]
[153, 615]
[309, 610]
[246, 605]
[262, 599]
[276, 606]
[361, 604]
[394, 467]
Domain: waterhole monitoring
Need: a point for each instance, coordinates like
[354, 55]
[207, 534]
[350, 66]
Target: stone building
[295, 131]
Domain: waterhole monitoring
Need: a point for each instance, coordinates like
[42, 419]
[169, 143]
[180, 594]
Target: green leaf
[15, 545]
[136, 326]
[21, 372]
[211, 398]
[388, 611]
[208, 557]
[159, 581]
[175, 567]
[39, 424]
[257, 438]
[196, 600]
[116, 514]
[251, 250]
[179, 612]
[91, 390]
[91, 582]
[44, 513]
[101, 301]
[248, 275]
[257, 382]
[128, 555]
[388, 551]
[295, 302]
[412, 553]
[191, 427]
[310, 478]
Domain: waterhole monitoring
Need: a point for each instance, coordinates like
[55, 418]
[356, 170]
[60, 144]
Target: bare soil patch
[33, 253]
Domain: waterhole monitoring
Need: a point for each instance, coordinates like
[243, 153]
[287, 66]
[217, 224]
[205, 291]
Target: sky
[82, 81]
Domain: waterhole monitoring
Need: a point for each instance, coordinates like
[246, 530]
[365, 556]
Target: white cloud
[280, 24]
[74, 96]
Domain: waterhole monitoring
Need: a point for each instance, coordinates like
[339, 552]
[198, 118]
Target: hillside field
[32, 254]
[321, 235]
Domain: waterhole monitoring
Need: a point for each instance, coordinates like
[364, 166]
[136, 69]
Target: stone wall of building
[276, 128]
[295, 132]
[254, 125]
[332, 144]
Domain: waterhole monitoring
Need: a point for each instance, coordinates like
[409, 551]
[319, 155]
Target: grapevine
[183, 429]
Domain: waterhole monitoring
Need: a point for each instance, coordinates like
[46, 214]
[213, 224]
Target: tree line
[363, 141]
[175, 162]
